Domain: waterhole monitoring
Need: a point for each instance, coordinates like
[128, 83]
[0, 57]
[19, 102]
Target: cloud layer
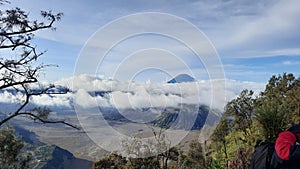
[91, 92]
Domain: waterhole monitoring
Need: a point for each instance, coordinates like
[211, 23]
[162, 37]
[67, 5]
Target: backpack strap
[294, 156]
[295, 129]
[297, 138]
[276, 162]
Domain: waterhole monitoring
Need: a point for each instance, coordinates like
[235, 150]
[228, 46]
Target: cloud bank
[90, 92]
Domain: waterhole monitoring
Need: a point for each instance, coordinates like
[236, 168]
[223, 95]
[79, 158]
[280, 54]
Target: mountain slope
[182, 78]
[187, 117]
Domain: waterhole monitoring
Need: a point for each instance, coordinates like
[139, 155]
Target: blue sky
[253, 38]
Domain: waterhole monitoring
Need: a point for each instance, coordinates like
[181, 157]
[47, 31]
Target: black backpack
[262, 155]
[265, 156]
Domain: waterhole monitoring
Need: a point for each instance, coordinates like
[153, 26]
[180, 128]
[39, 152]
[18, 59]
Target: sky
[105, 45]
[250, 40]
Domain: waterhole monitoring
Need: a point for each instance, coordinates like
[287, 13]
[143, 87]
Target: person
[287, 149]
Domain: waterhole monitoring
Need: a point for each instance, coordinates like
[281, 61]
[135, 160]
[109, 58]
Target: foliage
[242, 160]
[144, 153]
[278, 106]
[155, 151]
[194, 158]
[19, 65]
[113, 160]
[241, 109]
[10, 148]
[272, 117]
[247, 118]
[218, 138]
[143, 163]
[19, 73]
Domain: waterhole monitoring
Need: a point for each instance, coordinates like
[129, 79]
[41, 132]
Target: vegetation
[249, 118]
[10, 148]
[194, 159]
[246, 119]
[19, 73]
[19, 65]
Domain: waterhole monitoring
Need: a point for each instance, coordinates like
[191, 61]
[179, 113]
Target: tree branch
[35, 117]
[21, 72]
[17, 83]
[37, 26]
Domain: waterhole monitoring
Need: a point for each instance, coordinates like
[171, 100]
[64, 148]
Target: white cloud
[57, 101]
[128, 94]
[42, 100]
[141, 95]
[269, 33]
[83, 99]
[7, 97]
[290, 63]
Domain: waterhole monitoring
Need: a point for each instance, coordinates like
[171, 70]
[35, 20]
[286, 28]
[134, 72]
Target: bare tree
[19, 65]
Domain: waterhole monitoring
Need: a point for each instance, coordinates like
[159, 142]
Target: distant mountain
[142, 115]
[182, 78]
[186, 118]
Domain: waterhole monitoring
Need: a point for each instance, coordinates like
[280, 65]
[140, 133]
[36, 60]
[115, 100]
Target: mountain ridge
[182, 78]
[186, 118]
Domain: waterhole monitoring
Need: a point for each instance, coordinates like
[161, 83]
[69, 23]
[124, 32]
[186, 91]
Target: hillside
[186, 118]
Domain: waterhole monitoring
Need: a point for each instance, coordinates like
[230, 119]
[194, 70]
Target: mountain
[186, 118]
[182, 78]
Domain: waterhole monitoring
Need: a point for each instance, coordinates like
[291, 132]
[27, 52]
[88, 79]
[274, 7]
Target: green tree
[275, 108]
[113, 160]
[247, 118]
[242, 159]
[273, 117]
[163, 148]
[143, 163]
[241, 109]
[194, 158]
[293, 99]
[154, 152]
[219, 143]
[10, 148]
[20, 69]
[239, 114]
